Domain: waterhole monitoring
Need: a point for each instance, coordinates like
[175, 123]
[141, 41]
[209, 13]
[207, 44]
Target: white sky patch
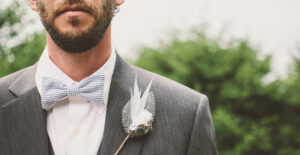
[272, 25]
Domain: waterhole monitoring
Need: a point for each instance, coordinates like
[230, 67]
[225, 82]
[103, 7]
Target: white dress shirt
[76, 125]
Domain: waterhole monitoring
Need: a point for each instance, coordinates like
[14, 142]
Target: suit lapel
[114, 134]
[24, 119]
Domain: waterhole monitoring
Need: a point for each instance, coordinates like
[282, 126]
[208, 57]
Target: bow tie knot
[54, 90]
[73, 90]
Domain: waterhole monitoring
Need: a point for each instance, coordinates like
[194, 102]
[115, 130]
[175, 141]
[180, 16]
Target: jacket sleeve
[202, 141]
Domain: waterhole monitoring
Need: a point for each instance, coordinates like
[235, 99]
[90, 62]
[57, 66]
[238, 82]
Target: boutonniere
[138, 113]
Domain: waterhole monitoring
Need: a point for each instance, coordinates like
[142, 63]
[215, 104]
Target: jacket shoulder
[5, 82]
[172, 97]
[169, 89]
[8, 79]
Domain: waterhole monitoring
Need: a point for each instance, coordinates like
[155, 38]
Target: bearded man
[77, 99]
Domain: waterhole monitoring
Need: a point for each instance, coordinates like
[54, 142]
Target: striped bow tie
[90, 88]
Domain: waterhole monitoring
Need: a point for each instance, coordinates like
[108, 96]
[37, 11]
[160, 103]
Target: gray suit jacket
[182, 124]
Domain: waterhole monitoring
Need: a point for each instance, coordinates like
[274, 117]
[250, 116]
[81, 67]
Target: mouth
[73, 10]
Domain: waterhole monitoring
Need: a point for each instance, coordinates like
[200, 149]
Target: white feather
[145, 96]
[138, 113]
[135, 99]
[143, 118]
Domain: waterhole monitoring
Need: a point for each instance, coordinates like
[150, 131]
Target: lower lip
[74, 13]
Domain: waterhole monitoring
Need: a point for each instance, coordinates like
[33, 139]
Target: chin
[72, 30]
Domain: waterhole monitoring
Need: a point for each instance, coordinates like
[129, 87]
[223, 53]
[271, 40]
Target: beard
[78, 42]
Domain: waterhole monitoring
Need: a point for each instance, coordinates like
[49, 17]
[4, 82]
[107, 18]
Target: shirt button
[73, 84]
[76, 131]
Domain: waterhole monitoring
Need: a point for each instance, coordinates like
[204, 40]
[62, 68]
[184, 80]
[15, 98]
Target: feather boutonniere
[138, 113]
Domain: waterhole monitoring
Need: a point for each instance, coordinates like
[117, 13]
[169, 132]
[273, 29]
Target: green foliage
[9, 19]
[23, 54]
[250, 117]
[293, 85]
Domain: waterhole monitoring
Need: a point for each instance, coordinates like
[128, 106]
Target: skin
[77, 65]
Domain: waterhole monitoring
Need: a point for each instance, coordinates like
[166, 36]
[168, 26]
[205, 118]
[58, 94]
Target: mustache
[74, 5]
[71, 2]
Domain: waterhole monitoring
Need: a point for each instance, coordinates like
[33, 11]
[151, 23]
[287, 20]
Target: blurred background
[243, 54]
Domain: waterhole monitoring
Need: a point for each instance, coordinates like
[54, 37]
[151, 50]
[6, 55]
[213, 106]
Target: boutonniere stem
[123, 143]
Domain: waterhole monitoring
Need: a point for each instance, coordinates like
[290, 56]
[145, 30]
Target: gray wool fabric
[182, 123]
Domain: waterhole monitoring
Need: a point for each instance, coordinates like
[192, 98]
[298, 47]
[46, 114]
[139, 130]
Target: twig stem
[121, 146]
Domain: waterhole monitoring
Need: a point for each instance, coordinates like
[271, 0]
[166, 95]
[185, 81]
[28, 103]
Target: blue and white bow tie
[54, 90]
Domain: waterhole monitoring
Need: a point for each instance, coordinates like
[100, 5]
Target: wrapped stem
[123, 143]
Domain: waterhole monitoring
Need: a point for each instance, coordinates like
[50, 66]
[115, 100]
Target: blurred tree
[290, 126]
[250, 117]
[25, 53]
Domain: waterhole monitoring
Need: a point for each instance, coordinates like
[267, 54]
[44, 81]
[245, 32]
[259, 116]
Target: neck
[80, 65]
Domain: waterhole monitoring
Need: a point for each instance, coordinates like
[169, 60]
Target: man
[71, 101]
